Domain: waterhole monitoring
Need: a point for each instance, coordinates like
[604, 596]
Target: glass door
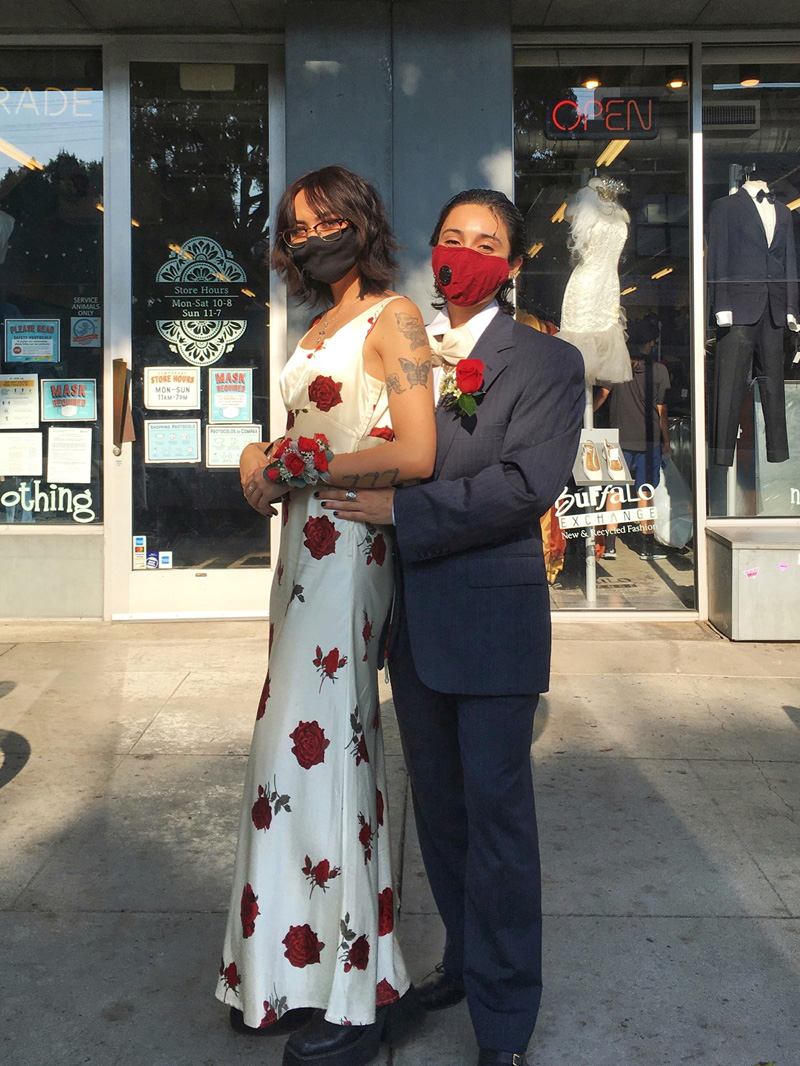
[195, 342]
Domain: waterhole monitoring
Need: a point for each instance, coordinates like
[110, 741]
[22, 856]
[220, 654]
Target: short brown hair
[337, 191]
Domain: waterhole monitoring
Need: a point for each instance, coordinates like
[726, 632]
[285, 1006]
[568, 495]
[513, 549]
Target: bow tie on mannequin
[454, 345]
[762, 195]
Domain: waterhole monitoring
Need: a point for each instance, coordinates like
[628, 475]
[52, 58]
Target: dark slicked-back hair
[339, 193]
[508, 213]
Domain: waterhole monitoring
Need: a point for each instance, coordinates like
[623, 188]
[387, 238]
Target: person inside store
[469, 644]
[310, 936]
[638, 411]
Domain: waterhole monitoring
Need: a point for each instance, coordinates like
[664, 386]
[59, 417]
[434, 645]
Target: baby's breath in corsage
[462, 386]
[300, 462]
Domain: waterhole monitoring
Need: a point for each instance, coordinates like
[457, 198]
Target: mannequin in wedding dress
[591, 316]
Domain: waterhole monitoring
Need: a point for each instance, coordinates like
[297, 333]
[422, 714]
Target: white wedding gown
[312, 907]
[591, 316]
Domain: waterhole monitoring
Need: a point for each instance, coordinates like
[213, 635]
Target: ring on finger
[350, 494]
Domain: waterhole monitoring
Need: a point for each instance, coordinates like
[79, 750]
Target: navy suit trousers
[468, 758]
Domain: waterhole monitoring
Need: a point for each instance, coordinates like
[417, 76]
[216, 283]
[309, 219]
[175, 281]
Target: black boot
[441, 989]
[322, 1043]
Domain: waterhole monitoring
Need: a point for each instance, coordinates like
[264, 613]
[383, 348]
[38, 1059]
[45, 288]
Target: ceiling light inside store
[135, 223]
[18, 156]
[99, 206]
[630, 289]
[535, 249]
[558, 215]
[610, 152]
[749, 75]
[662, 273]
[592, 83]
[675, 79]
[794, 204]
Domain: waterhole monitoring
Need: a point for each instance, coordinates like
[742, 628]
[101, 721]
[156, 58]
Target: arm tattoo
[411, 328]
[416, 371]
[376, 475]
[393, 384]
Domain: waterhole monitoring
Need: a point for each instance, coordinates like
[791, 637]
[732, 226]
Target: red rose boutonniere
[462, 386]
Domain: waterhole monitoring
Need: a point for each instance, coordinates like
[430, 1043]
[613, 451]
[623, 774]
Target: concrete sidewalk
[666, 764]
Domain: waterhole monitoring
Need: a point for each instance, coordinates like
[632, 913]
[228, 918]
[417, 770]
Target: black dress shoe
[441, 989]
[288, 1022]
[488, 1057]
[322, 1043]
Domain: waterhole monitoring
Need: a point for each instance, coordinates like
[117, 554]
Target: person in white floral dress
[311, 922]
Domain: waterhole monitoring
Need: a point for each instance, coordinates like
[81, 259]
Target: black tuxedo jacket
[472, 579]
[745, 275]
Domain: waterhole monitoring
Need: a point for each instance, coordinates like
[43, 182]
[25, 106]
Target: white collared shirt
[476, 325]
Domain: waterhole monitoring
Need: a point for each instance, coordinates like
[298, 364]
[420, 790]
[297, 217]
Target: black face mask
[327, 261]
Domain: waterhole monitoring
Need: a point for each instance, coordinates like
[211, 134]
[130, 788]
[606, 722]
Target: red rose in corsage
[300, 462]
[462, 387]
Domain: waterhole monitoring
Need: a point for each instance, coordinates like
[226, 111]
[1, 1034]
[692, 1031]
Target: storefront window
[51, 296]
[200, 204]
[752, 195]
[602, 165]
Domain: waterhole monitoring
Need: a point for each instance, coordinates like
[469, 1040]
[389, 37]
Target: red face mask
[467, 277]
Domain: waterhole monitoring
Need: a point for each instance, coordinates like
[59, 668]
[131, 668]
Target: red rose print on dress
[385, 994]
[269, 803]
[384, 432]
[374, 545]
[328, 664]
[320, 536]
[230, 977]
[377, 552]
[358, 955]
[325, 392]
[270, 1016]
[274, 1007]
[319, 875]
[365, 835]
[262, 703]
[385, 912]
[379, 806]
[357, 741]
[310, 743]
[302, 945]
[249, 911]
[353, 951]
[366, 634]
[290, 417]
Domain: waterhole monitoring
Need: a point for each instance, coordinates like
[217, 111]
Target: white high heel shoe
[616, 471]
[591, 462]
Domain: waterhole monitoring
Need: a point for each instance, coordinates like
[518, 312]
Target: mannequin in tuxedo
[752, 278]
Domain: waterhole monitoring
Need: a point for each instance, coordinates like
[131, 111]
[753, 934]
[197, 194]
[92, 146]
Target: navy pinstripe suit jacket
[471, 577]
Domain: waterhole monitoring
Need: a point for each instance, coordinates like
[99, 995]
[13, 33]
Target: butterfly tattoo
[416, 371]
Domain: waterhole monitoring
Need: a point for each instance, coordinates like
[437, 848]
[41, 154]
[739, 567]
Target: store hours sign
[201, 286]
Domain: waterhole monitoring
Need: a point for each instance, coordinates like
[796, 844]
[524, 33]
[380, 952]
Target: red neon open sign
[602, 118]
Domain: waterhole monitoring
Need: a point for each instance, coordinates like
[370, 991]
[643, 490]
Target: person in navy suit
[469, 646]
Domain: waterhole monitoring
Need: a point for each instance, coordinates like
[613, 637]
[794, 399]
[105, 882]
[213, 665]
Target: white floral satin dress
[312, 906]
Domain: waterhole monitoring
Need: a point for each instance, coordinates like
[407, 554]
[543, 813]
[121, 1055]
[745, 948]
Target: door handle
[123, 420]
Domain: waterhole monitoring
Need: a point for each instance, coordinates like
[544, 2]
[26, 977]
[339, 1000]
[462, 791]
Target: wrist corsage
[300, 462]
[462, 386]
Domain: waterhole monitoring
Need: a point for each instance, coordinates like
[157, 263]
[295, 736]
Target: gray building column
[452, 117]
[338, 96]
